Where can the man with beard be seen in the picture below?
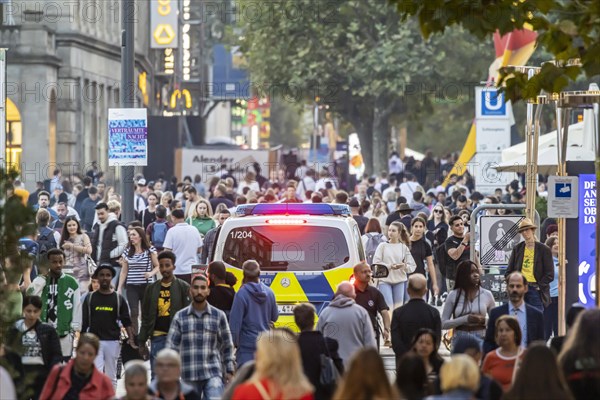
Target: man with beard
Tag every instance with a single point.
(531, 320)
(102, 310)
(200, 333)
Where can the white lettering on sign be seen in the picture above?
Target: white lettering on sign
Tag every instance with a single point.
(589, 203)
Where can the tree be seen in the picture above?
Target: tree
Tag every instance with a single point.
(286, 127)
(356, 56)
(567, 30)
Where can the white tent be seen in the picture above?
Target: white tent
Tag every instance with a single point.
(414, 154)
(547, 160)
(545, 141)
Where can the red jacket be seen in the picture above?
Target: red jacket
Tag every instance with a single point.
(249, 391)
(98, 388)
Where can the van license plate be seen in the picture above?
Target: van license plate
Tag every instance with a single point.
(285, 309)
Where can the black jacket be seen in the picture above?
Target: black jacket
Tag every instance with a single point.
(312, 345)
(543, 266)
(408, 319)
(535, 326)
(87, 213)
(48, 338)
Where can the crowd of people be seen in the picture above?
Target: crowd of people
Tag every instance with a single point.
(96, 292)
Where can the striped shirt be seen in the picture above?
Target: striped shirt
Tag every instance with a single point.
(204, 341)
(138, 264)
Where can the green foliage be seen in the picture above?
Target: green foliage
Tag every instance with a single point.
(567, 30)
(286, 124)
(541, 205)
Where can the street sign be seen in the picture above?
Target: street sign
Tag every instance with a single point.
(562, 196)
(498, 236)
(127, 137)
(164, 24)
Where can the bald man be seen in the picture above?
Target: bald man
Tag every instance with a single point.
(372, 300)
(414, 315)
(347, 322)
(254, 310)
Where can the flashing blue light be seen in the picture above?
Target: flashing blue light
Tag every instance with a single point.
(292, 209)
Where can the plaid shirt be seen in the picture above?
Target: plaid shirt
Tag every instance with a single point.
(203, 340)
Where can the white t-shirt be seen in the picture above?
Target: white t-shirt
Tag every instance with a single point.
(184, 240)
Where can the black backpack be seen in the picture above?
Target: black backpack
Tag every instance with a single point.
(45, 241)
(440, 256)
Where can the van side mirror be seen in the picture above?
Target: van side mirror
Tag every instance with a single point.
(379, 271)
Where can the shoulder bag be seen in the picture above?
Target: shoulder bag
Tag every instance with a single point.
(329, 375)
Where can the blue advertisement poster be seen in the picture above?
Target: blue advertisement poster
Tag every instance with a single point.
(587, 239)
(127, 137)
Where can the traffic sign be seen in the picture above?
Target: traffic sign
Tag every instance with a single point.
(563, 196)
(498, 236)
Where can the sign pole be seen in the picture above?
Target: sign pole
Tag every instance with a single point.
(3, 159)
(127, 99)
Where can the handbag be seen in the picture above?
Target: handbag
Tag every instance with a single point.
(91, 264)
(329, 375)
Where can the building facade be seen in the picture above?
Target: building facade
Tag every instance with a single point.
(63, 74)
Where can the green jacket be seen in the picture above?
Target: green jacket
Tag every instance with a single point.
(202, 224)
(180, 298)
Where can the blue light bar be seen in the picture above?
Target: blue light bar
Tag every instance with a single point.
(292, 209)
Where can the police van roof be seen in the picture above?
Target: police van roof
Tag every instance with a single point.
(292, 209)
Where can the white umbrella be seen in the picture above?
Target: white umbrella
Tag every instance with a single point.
(547, 160)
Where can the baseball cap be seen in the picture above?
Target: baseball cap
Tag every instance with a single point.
(141, 182)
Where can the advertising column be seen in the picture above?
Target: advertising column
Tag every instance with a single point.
(587, 239)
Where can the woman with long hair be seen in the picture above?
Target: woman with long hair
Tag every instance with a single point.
(201, 217)
(77, 245)
(108, 193)
(165, 200)
(39, 344)
(425, 344)
(468, 304)
(396, 255)
(539, 377)
(422, 253)
(79, 378)
(278, 370)
(411, 377)
(580, 356)
(139, 264)
(374, 234)
(500, 364)
(437, 233)
(357, 383)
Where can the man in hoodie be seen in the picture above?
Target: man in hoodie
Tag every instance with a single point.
(346, 322)
(254, 311)
(418, 205)
(109, 240)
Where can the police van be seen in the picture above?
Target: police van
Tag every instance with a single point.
(304, 250)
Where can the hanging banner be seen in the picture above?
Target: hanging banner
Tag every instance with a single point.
(587, 239)
(127, 137)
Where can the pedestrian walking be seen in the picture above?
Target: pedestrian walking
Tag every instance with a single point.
(136, 381)
(357, 384)
(221, 294)
(500, 364)
(209, 238)
(60, 300)
(459, 379)
(531, 320)
(201, 217)
(103, 311)
(468, 304)
(347, 322)
(534, 260)
(148, 215)
(167, 385)
(372, 300)
(551, 310)
(79, 378)
(412, 316)
(77, 246)
(139, 266)
(109, 239)
(420, 248)
(156, 232)
(184, 240)
(396, 255)
(161, 301)
(411, 377)
(425, 345)
(200, 332)
(539, 377)
(253, 311)
(456, 248)
(38, 342)
(88, 208)
(278, 373)
(313, 347)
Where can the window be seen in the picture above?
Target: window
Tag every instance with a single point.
(287, 248)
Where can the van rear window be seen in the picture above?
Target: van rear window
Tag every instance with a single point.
(287, 248)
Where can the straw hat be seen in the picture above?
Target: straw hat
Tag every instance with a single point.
(526, 224)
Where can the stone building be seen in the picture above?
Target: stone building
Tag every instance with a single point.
(63, 74)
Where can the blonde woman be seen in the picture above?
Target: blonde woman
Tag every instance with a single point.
(278, 373)
(201, 218)
(396, 255)
(108, 193)
(165, 200)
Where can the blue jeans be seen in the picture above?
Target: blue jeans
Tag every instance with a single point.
(533, 298)
(393, 294)
(157, 343)
(209, 389)
(477, 335)
(551, 318)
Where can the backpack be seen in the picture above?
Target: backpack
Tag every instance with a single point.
(159, 232)
(372, 242)
(440, 256)
(45, 241)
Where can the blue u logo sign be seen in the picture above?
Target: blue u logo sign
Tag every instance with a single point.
(492, 103)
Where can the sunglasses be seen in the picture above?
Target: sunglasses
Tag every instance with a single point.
(438, 211)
